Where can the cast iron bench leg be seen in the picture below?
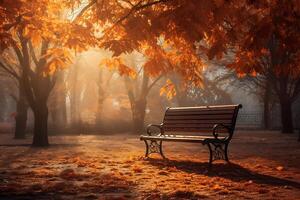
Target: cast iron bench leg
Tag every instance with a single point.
(147, 148)
(153, 146)
(217, 151)
(210, 154)
(226, 152)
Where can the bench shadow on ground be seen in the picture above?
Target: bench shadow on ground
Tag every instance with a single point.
(229, 171)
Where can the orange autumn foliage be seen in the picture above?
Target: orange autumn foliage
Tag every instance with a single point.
(184, 32)
(35, 22)
(175, 36)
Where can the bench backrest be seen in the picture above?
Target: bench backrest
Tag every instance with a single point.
(200, 119)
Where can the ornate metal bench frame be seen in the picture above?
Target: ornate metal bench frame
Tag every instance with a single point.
(217, 146)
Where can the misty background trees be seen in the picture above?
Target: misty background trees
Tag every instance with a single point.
(160, 52)
(90, 98)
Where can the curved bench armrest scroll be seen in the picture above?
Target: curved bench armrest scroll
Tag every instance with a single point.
(152, 127)
(222, 126)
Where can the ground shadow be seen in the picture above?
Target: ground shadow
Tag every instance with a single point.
(8, 160)
(229, 171)
(51, 145)
(105, 186)
(29, 150)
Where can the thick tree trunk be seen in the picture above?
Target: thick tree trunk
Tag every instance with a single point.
(21, 118)
(138, 115)
(40, 135)
(286, 115)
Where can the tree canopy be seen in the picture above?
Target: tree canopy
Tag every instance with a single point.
(175, 36)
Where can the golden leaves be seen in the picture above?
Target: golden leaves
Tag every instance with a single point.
(48, 20)
(57, 58)
(33, 34)
(168, 89)
(246, 63)
(118, 64)
(279, 168)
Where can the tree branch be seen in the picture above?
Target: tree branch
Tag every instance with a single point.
(137, 7)
(83, 10)
(154, 82)
(27, 76)
(18, 53)
(32, 53)
(130, 93)
(9, 70)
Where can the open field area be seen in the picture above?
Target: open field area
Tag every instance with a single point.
(265, 165)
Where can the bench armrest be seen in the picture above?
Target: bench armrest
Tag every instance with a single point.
(151, 129)
(217, 126)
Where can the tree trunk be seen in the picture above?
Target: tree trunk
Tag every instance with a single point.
(2, 104)
(58, 111)
(286, 115)
(99, 109)
(267, 95)
(138, 115)
(182, 99)
(74, 98)
(21, 118)
(40, 135)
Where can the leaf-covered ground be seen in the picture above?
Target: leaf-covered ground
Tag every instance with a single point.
(265, 165)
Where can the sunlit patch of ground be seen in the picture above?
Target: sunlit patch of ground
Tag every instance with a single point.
(265, 165)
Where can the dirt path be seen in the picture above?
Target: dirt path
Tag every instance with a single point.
(265, 165)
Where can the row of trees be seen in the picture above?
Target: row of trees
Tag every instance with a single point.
(87, 91)
(262, 36)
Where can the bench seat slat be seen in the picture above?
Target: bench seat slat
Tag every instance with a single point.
(180, 138)
(195, 130)
(188, 126)
(195, 121)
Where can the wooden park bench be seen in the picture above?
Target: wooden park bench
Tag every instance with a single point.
(209, 125)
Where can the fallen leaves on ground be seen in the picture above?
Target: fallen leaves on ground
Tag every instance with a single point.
(100, 170)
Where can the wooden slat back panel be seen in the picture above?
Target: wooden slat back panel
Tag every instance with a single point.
(199, 119)
(198, 112)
